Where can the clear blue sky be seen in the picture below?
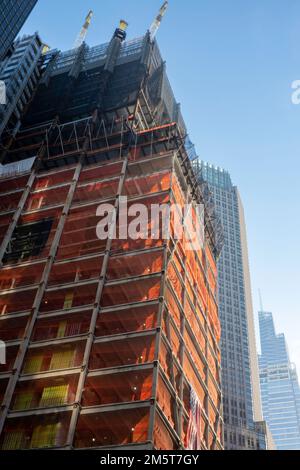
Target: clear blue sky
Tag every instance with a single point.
(231, 64)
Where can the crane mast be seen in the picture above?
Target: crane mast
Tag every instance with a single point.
(157, 22)
(82, 35)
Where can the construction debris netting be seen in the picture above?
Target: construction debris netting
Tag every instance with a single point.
(125, 327)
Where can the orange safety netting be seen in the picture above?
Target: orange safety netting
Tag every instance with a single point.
(127, 320)
(45, 181)
(113, 428)
(120, 387)
(121, 352)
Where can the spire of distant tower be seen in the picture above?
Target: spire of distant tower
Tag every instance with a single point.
(260, 301)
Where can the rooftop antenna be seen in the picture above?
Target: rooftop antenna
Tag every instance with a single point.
(82, 35)
(157, 22)
(260, 301)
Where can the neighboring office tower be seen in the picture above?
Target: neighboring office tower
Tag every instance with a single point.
(107, 341)
(20, 72)
(279, 386)
(13, 14)
(240, 379)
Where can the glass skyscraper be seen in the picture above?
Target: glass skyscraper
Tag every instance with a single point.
(240, 379)
(13, 14)
(279, 386)
(20, 72)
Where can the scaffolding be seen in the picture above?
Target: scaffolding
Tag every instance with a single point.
(106, 338)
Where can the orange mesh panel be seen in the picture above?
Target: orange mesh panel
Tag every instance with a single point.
(118, 388)
(96, 191)
(177, 191)
(64, 299)
(127, 320)
(203, 295)
(137, 350)
(17, 302)
(212, 415)
(211, 261)
(193, 379)
(194, 354)
(4, 221)
(176, 260)
(213, 318)
(13, 183)
(62, 326)
(129, 292)
(210, 440)
(149, 184)
(79, 236)
(190, 291)
(212, 280)
(196, 330)
(112, 428)
(10, 201)
(97, 172)
(162, 437)
(173, 307)
(166, 401)
(214, 394)
(152, 234)
(135, 265)
(184, 427)
(212, 365)
(75, 271)
(13, 329)
(11, 278)
(165, 359)
(121, 246)
(175, 342)
(47, 198)
(190, 317)
(53, 179)
(175, 282)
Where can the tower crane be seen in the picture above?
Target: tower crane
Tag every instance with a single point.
(82, 35)
(157, 22)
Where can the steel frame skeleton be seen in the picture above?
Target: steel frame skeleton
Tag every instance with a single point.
(77, 144)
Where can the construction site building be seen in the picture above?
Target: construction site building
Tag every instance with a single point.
(108, 341)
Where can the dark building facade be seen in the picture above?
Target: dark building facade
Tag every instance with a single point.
(13, 14)
(109, 343)
(20, 72)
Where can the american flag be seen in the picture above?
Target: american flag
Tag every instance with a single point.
(194, 432)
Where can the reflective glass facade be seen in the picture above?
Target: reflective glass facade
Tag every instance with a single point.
(279, 386)
(13, 15)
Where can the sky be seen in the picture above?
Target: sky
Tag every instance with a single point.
(231, 65)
